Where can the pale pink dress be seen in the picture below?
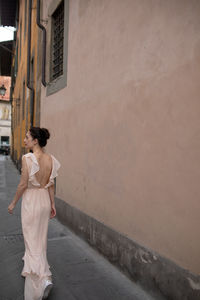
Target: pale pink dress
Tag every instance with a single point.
(35, 213)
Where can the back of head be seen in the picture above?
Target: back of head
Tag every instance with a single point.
(41, 134)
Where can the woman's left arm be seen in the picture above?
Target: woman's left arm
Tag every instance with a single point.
(22, 186)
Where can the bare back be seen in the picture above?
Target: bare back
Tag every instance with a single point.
(44, 173)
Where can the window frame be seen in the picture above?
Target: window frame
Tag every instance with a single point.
(60, 82)
(52, 74)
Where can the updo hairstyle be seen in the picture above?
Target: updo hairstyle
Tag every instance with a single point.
(41, 134)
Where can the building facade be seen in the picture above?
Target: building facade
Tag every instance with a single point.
(119, 91)
(124, 119)
(5, 126)
(5, 115)
(26, 76)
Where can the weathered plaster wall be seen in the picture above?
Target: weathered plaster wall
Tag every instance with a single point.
(5, 119)
(22, 106)
(126, 127)
(6, 81)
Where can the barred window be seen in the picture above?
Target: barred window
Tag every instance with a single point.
(57, 41)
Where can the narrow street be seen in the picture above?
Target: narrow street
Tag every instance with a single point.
(78, 271)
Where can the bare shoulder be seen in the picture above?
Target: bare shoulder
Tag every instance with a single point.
(48, 157)
(27, 155)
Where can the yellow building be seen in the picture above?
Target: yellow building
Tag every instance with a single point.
(26, 76)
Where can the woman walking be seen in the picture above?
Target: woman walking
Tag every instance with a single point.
(37, 190)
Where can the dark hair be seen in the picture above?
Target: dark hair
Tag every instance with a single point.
(41, 134)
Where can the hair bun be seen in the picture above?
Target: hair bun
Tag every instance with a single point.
(45, 133)
(41, 134)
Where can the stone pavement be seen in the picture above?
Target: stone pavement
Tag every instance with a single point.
(79, 272)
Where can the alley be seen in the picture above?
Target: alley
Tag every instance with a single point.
(78, 271)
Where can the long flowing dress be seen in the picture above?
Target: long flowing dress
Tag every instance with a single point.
(35, 214)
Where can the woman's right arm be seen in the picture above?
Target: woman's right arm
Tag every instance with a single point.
(51, 195)
(22, 186)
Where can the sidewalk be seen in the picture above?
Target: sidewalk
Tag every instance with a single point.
(79, 272)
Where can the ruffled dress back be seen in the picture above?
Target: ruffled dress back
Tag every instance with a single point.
(35, 213)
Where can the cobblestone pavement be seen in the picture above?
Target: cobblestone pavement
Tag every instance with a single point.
(79, 272)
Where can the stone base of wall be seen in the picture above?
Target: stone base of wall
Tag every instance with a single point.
(146, 267)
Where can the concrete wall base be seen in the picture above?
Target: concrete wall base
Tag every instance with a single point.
(146, 267)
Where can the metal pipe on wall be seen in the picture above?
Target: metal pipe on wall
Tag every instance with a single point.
(43, 44)
(29, 61)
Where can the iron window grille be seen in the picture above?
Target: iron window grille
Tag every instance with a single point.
(58, 41)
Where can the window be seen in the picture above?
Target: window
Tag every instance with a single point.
(5, 140)
(57, 41)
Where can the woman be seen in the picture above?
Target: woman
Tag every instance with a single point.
(37, 190)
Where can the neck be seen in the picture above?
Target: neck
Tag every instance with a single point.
(37, 149)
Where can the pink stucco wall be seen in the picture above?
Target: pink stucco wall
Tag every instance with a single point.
(126, 128)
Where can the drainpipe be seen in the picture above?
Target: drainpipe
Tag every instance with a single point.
(43, 44)
(29, 61)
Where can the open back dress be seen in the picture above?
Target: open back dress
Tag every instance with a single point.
(35, 214)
